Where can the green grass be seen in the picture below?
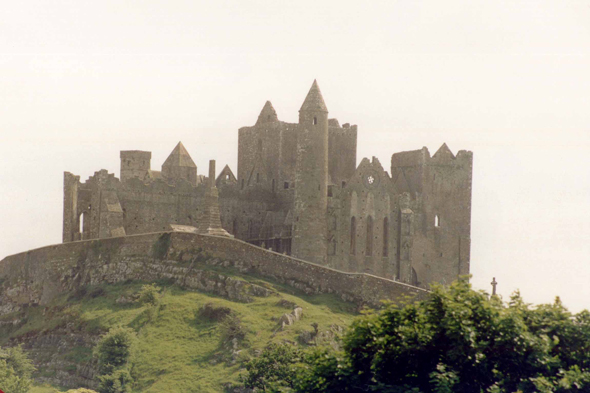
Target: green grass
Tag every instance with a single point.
(177, 350)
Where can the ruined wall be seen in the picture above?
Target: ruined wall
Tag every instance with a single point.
(266, 155)
(36, 277)
(114, 208)
(438, 250)
(298, 191)
(341, 152)
(70, 205)
(366, 223)
(135, 164)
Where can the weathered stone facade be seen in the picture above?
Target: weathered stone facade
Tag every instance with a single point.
(36, 277)
(299, 192)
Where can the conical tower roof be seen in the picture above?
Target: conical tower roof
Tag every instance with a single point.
(179, 157)
(314, 100)
(268, 114)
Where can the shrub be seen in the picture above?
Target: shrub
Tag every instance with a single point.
(149, 294)
(213, 313)
(15, 370)
(96, 292)
(114, 350)
(273, 369)
(119, 381)
(231, 328)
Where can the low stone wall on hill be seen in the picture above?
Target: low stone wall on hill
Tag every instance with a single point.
(192, 261)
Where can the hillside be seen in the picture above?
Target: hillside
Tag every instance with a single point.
(58, 300)
(180, 348)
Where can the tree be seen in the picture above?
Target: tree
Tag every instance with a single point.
(273, 369)
(119, 381)
(15, 370)
(114, 352)
(114, 349)
(457, 340)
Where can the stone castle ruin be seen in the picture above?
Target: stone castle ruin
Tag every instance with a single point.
(298, 192)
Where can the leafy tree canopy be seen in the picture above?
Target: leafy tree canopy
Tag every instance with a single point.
(457, 340)
(114, 350)
(15, 370)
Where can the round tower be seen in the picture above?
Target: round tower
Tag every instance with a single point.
(311, 180)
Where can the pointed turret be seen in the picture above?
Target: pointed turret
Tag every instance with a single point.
(310, 231)
(179, 157)
(268, 114)
(443, 153)
(180, 165)
(314, 100)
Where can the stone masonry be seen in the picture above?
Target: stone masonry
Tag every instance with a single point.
(298, 191)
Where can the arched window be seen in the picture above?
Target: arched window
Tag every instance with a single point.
(369, 246)
(81, 222)
(353, 235)
(385, 237)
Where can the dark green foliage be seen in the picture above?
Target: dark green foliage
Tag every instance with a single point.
(96, 292)
(160, 247)
(231, 328)
(119, 381)
(457, 340)
(149, 294)
(15, 370)
(274, 369)
(114, 349)
(213, 313)
(78, 294)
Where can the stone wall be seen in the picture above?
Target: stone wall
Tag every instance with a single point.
(36, 277)
(441, 223)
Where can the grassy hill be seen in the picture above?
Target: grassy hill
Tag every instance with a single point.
(182, 346)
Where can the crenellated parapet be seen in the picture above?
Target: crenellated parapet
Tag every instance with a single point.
(298, 191)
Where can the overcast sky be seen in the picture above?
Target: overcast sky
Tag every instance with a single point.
(508, 80)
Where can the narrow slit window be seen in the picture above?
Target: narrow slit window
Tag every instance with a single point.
(315, 121)
(436, 221)
(353, 236)
(385, 237)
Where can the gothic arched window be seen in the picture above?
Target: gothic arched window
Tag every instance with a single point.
(353, 235)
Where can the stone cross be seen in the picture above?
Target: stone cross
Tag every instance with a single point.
(494, 283)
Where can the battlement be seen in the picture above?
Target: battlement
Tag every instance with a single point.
(297, 190)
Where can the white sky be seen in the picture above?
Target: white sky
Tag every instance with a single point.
(508, 80)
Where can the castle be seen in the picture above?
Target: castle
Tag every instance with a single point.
(298, 192)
